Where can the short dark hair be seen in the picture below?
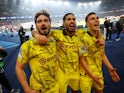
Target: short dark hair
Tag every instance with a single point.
(67, 15)
(86, 18)
(42, 12)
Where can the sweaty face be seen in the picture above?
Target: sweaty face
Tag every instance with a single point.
(93, 22)
(70, 23)
(43, 25)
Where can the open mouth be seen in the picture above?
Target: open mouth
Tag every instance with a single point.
(96, 25)
(43, 28)
(72, 25)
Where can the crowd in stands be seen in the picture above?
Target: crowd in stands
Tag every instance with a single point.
(13, 25)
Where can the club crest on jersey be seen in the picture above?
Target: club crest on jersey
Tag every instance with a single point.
(52, 40)
(83, 49)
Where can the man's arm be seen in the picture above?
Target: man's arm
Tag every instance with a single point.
(84, 64)
(41, 39)
(22, 76)
(112, 70)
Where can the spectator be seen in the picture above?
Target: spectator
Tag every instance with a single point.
(3, 79)
(21, 33)
(32, 28)
(120, 26)
(108, 27)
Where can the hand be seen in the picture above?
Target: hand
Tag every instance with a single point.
(100, 42)
(32, 91)
(110, 28)
(97, 80)
(41, 39)
(114, 75)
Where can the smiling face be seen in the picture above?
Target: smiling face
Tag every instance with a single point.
(69, 23)
(93, 22)
(43, 25)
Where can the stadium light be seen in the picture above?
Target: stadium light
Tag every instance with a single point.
(59, 2)
(66, 3)
(91, 3)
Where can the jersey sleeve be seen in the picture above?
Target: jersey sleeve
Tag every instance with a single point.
(83, 50)
(81, 44)
(57, 34)
(23, 53)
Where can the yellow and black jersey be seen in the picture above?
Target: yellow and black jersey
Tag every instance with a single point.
(68, 50)
(42, 61)
(95, 52)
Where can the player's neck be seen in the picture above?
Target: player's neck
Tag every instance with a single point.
(93, 33)
(70, 33)
(48, 36)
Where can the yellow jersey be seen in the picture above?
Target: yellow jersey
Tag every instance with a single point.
(42, 61)
(94, 56)
(68, 50)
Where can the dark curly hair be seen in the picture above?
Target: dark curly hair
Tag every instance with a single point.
(42, 12)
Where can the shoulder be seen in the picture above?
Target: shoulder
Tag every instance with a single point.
(86, 36)
(28, 42)
(57, 32)
(80, 32)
